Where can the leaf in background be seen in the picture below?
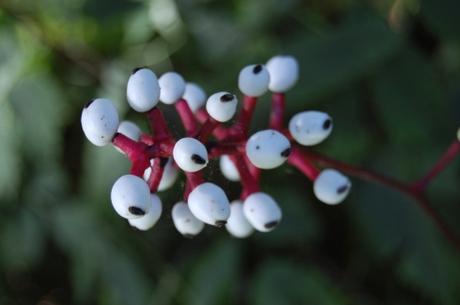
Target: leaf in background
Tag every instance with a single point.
(9, 155)
(442, 17)
(214, 277)
(281, 282)
(40, 109)
(389, 223)
(339, 57)
(22, 241)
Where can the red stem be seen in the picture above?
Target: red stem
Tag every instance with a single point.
(241, 127)
(193, 180)
(187, 117)
(453, 150)
(158, 125)
(249, 183)
(220, 132)
(302, 163)
(207, 129)
(156, 174)
(277, 112)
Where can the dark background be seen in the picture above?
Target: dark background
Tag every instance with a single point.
(388, 72)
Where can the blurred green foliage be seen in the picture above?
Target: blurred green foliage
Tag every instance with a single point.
(387, 71)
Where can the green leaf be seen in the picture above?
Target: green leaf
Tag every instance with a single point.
(280, 282)
(213, 278)
(442, 17)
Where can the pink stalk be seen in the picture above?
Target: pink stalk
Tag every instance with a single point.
(277, 112)
(193, 180)
(156, 174)
(206, 129)
(187, 117)
(249, 183)
(158, 125)
(302, 163)
(241, 127)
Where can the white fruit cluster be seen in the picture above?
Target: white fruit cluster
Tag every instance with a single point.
(207, 203)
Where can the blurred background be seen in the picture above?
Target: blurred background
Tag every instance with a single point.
(387, 71)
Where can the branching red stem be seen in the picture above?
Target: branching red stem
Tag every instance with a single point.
(187, 117)
(278, 109)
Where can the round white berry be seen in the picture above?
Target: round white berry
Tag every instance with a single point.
(310, 127)
(262, 212)
(331, 187)
(253, 80)
(237, 224)
(190, 154)
(170, 174)
(143, 90)
(130, 197)
(209, 204)
(268, 149)
(195, 96)
(184, 221)
(130, 130)
(221, 106)
(172, 87)
(147, 221)
(284, 72)
(99, 121)
(228, 169)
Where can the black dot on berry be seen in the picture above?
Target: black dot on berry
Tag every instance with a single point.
(89, 103)
(257, 69)
(271, 224)
(342, 189)
(190, 236)
(257, 147)
(220, 223)
(136, 69)
(136, 211)
(198, 159)
(285, 153)
(327, 124)
(228, 97)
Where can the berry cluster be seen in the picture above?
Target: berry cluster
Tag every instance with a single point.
(156, 158)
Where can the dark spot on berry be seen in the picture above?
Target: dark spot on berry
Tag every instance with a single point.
(163, 162)
(327, 124)
(190, 236)
(285, 153)
(271, 224)
(257, 69)
(220, 223)
(198, 159)
(136, 211)
(89, 103)
(342, 189)
(136, 69)
(257, 147)
(227, 98)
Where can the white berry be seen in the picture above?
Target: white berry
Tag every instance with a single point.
(228, 169)
(143, 90)
(172, 87)
(209, 204)
(237, 224)
(331, 187)
(130, 130)
(130, 197)
(190, 154)
(253, 80)
(168, 178)
(147, 221)
(221, 106)
(195, 96)
(99, 120)
(268, 149)
(310, 127)
(284, 72)
(184, 221)
(262, 212)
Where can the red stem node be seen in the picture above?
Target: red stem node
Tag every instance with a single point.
(241, 127)
(158, 125)
(249, 183)
(156, 173)
(220, 132)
